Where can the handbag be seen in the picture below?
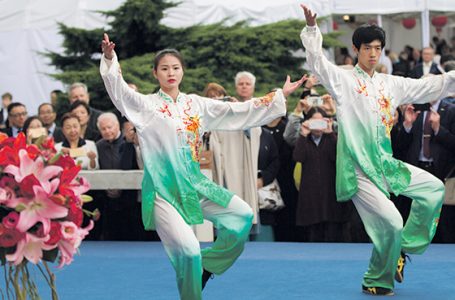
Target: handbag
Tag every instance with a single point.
(206, 159)
(269, 197)
(449, 183)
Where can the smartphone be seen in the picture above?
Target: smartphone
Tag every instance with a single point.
(317, 124)
(315, 100)
(422, 107)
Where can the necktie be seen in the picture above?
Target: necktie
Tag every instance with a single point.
(427, 135)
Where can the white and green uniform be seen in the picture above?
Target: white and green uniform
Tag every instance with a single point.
(366, 170)
(175, 194)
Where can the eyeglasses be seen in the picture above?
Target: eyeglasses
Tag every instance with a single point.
(21, 114)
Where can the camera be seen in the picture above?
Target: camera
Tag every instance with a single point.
(315, 100)
(226, 98)
(319, 124)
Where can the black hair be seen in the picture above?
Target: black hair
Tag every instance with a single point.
(160, 54)
(28, 121)
(315, 110)
(78, 103)
(13, 105)
(446, 58)
(305, 93)
(367, 33)
(68, 116)
(44, 104)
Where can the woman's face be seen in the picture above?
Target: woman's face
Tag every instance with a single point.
(82, 114)
(35, 124)
(169, 72)
(71, 129)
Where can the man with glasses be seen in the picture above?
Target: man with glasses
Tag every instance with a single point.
(17, 114)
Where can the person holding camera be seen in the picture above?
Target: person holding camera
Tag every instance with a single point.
(319, 217)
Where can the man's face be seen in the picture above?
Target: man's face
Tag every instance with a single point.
(47, 115)
(244, 88)
(427, 55)
(17, 116)
(109, 129)
(368, 55)
(6, 101)
(79, 93)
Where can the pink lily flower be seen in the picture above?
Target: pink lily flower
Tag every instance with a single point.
(38, 209)
(31, 248)
(72, 237)
(36, 167)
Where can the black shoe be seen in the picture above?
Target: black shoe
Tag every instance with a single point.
(399, 274)
(377, 291)
(206, 275)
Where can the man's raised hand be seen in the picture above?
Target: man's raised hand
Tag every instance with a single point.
(107, 47)
(309, 16)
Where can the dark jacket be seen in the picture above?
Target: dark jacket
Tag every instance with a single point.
(109, 153)
(417, 72)
(317, 197)
(442, 146)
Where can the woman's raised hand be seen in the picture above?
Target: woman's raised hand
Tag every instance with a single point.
(107, 47)
(289, 87)
(309, 16)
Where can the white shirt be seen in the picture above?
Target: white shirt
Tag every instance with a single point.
(84, 160)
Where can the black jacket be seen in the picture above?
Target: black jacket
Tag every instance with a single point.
(442, 146)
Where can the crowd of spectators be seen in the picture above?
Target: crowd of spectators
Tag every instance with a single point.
(298, 151)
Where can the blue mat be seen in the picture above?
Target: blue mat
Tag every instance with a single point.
(141, 270)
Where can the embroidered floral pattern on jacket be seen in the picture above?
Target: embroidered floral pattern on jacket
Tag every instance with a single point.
(361, 87)
(386, 111)
(165, 110)
(264, 100)
(193, 127)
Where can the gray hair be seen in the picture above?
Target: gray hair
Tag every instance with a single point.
(246, 74)
(77, 85)
(107, 116)
(449, 65)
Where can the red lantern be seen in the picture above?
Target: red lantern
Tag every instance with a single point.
(439, 22)
(334, 25)
(409, 23)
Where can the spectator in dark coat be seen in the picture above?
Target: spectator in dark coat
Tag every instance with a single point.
(320, 217)
(116, 221)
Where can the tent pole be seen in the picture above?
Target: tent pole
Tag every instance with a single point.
(425, 25)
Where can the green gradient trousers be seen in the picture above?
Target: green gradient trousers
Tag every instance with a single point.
(233, 225)
(384, 223)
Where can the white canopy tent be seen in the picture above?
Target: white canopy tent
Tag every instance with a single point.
(28, 27)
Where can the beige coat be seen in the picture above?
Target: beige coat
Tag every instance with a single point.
(236, 163)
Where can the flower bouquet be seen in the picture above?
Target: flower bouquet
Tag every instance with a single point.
(41, 213)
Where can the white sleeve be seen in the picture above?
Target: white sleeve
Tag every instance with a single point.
(129, 102)
(219, 115)
(423, 90)
(328, 73)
